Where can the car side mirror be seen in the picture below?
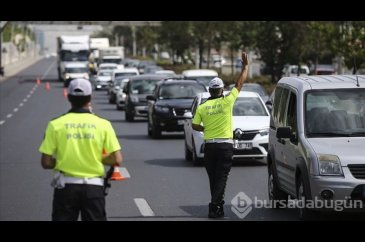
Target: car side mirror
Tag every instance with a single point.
(188, 115)
(283, 133)
(151, 97)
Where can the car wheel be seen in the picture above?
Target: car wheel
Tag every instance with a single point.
(188, 153)
(149, 129)
(156, 132)
(128, 116)
(277, 197)
(304, 212)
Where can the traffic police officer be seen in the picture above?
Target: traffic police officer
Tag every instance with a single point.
(216, 116)
(73, 146)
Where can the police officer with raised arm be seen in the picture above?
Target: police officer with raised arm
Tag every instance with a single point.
(214, 118)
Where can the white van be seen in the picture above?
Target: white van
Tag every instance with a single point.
(75, 70)
(201, 75)
(316, 142)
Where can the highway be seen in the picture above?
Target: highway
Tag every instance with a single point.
(162, 185)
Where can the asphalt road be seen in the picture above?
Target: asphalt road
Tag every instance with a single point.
(162, 185)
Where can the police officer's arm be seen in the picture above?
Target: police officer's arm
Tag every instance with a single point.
(48, 162)
(198, 127)
(244, 71)
(114, 158)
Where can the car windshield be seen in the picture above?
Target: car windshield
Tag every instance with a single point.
(105, 73)
(74, 56)
(249, 106)
(335, 113)
(144, 86)
(202, 79)
(253, 88)
(180, 91)
(125, 74)
(115, 61)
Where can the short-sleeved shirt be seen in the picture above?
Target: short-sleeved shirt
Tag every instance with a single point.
(77, 140)
(216, 116)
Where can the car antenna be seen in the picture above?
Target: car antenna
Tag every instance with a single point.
(357, 78)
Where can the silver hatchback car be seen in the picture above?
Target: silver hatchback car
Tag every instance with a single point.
(317, 143)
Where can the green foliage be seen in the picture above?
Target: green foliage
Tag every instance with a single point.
(275, 42)
(178, 69)
(351, 43)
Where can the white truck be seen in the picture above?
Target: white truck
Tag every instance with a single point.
(95, 45)
(72, 49)
(113, 54)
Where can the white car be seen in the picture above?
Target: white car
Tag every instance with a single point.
(120, 95)
(103, 79)
(251, 121)
(201, 75)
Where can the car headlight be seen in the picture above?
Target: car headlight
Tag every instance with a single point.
(162, 109)
(86, 77)
(264, 132)
(121, 95)
(67, 76)
(134, 99)
(329, 165)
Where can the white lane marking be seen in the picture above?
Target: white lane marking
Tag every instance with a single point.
(30, 94)
(143, 207)
(124, 172)
(49, 68)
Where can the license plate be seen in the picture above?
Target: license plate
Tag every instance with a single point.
(180, 122)
(243, 146)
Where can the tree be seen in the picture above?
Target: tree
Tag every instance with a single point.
(320, 42)
(203, 32)
(176, 35)
(351, 43)
(147, 37)
(269, 43)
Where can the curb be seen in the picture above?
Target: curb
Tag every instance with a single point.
(14, 68)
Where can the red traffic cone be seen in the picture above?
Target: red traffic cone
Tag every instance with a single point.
(65, 92)
(116, 176)
(47, 86)
(38, 81)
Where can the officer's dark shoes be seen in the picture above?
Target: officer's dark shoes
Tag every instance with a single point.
(215, 210)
